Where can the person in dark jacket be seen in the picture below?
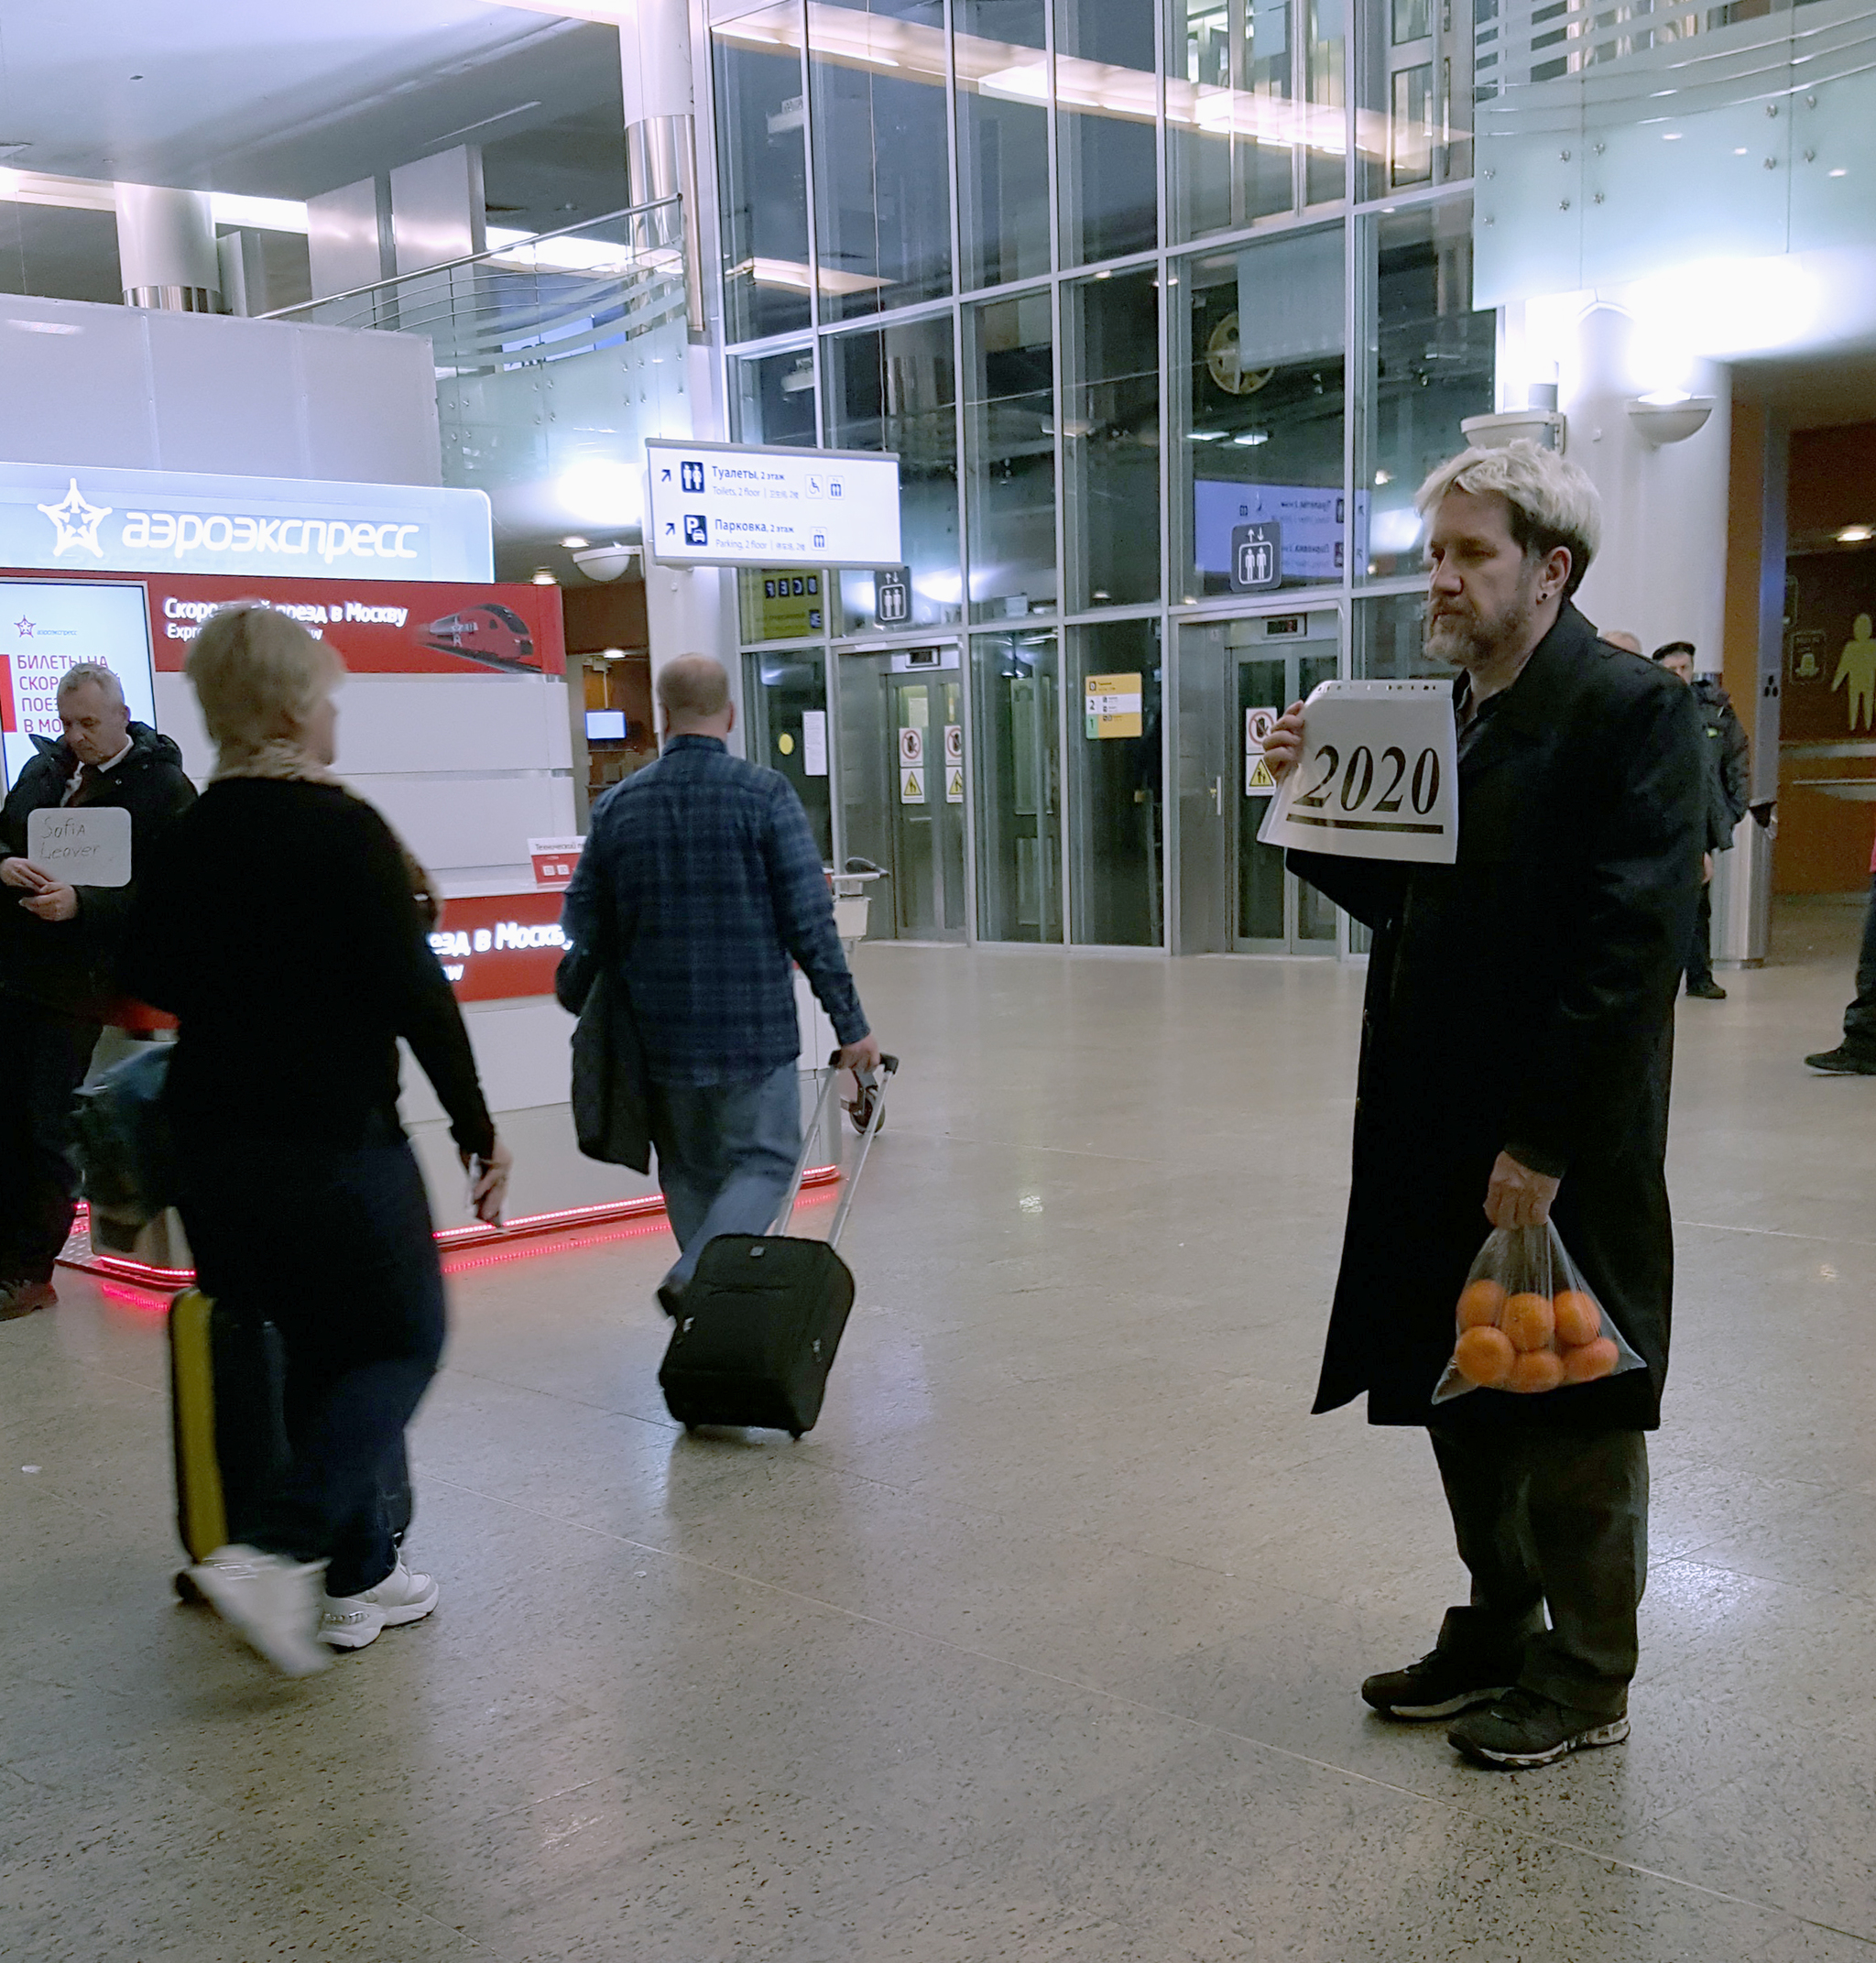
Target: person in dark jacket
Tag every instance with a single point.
(1515, 1054)
(1728, 787)
(279, 924)
(58, 950)
(700, 885)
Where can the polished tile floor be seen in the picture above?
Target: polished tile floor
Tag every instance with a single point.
(1044, 1645)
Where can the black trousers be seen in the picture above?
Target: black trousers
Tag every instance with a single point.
(1859, 1017)
(334, 1247)
(1700, 949)
(1551, 1517)
(43, 1058)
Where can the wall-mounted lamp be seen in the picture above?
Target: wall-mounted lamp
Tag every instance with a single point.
(1545, 427)
(606, 563)
(1669, 416)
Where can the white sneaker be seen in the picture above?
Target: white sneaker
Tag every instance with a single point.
(273, 1603)
(351, 1621)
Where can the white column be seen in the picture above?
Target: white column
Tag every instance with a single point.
(1661, 568)
(166, 249)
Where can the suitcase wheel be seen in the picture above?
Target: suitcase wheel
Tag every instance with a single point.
(186, 1590)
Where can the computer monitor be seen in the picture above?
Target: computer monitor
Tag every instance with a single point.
(605, 725)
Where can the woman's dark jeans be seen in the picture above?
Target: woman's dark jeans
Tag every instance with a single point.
(334, 1248)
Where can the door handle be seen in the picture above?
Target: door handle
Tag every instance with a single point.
(1219, 797)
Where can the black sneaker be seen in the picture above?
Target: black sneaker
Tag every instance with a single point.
(1844, 1061)
(1441, 1684)
(1706, 991)
(1523, 1730)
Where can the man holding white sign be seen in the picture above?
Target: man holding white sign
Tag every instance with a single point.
(81, 814)
(1515, 1056)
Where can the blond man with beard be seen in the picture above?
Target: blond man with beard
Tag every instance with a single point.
(1514, 1068)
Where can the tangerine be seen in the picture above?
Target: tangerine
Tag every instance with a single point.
(1484, 1357)
(1528, 1320)
(1587, 1361)
(1579, 1321)
(1479, 1302)
(1537, 1370)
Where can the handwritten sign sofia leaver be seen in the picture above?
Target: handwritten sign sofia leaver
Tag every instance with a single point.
(85, 847)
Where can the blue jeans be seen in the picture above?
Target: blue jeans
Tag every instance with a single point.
(334, 1248)
(725, 1154)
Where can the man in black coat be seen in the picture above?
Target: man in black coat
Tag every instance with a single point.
(1516, 1045)
(1728, 786)
(58, 950)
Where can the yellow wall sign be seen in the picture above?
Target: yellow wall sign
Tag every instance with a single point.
(1113, 706)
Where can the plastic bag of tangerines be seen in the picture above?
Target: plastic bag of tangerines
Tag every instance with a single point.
(1527, 1323)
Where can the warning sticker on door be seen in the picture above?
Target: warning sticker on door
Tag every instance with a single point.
(954, 787)
(1259, 781)
(911, 787)
(911, 746)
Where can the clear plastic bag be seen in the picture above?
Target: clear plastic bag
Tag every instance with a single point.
(1527, 1321)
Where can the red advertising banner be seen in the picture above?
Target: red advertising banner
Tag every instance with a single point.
(496, 946)
(379, 626)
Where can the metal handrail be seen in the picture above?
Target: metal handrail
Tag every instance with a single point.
(476, 258)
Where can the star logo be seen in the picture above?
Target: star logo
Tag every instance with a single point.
(24, 629)
(78, 523)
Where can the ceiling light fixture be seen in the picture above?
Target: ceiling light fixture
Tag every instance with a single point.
(542, 577)
(573, 544)
(1856, 534)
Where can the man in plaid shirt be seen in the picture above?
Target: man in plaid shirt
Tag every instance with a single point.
(701, 879)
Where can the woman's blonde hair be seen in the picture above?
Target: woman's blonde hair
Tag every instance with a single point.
(258, 676)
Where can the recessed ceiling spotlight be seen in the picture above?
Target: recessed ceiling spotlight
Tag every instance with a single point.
(1856, 534)
(573, 544)
(544, 578)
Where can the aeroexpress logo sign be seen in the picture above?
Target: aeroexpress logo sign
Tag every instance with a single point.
(149, 521)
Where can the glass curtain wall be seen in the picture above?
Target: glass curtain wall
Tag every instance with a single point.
(882, 154)
(1180, 345)
(1110, 432)
(762, 173)
(1009, 455)
(895, 389)
(1429, 363)
(1257, 453)
(1003, 139)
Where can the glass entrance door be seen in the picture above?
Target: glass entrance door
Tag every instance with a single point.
(1275, 912)
(902, 786)
(1234, 894)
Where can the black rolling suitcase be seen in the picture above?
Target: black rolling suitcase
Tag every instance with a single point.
(763, 1315)
(227, 1372)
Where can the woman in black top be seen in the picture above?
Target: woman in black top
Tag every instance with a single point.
(281, 923)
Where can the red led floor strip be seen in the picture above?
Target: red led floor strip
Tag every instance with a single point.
(451, 1240)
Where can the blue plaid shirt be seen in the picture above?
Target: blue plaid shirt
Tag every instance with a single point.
(702, 877)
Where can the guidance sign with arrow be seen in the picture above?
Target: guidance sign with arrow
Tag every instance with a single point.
(744, 505)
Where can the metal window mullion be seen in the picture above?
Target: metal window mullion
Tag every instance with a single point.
(813, 185)
(1163, 289)
(1058, 411)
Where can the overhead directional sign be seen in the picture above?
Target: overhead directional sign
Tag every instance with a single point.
(736, 505)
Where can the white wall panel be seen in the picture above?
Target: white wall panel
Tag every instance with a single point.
(401, 722)
(88, 384)
(475, 821)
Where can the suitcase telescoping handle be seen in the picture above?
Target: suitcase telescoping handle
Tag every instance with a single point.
(887, 1065)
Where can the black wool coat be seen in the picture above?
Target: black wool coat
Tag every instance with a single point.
(1523, 1000)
